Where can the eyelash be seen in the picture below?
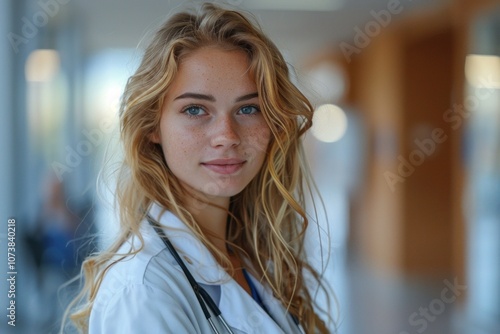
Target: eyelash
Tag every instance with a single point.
(253, 106)
(185, 110)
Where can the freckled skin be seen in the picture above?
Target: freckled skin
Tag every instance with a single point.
(221, 129)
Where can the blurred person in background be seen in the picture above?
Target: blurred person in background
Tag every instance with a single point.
(55, 246)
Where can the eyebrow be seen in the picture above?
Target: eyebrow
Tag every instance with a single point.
(211, 98)
(247, 97)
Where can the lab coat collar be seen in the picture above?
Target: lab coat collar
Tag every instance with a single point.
(249, 317)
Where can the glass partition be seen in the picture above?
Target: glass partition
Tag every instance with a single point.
(482, 154)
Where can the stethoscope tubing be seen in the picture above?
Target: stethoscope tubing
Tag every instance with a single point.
(203, 297)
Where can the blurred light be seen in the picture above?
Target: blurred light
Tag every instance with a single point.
(310, 5)
(329, 123)
(328, 80)
(106, 74)
(42, 65)
(483, 71)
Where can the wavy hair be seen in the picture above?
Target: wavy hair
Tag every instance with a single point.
(267, 221)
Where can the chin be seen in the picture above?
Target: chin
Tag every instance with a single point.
(225, 193)
(222, 190)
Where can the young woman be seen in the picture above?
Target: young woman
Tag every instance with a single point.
(210, 191)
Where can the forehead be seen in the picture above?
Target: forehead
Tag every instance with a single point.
(214, 66)
(215, 55)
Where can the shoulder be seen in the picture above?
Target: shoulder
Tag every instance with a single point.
(140, 308)
(136, 269)
(143, 289)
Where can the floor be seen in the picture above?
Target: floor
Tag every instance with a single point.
(377, 303)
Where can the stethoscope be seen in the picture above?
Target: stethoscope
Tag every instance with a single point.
(203, 297)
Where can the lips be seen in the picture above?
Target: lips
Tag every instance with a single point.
(224, 166)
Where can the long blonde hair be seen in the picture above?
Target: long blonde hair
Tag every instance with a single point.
(267, 219)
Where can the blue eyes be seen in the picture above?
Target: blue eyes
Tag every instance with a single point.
(194, 111)
(198, 111)
(249, 110)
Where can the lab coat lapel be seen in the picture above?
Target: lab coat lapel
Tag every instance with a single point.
(276, 310)
(244, 314)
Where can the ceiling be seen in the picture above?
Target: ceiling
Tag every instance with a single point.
(298, 27)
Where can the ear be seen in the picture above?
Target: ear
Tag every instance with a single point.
(155, 137)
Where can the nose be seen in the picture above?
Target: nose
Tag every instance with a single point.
(225, 132)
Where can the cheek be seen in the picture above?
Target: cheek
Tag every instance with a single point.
(258, 140)
(178, 144)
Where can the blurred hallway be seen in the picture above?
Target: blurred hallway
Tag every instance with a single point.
(405, 149)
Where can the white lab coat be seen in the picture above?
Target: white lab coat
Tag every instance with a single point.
(149, 293)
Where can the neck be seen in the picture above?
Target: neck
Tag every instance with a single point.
(212, 218)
